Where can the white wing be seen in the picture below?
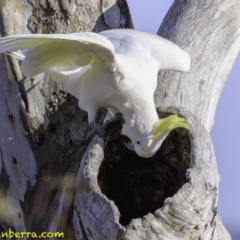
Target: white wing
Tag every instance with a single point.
(148, 47)
(68, 52)
(79, 61)
(59, 52)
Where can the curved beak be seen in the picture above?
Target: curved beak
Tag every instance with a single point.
(129, 145)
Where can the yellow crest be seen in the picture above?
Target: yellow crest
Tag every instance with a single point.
(165, 125)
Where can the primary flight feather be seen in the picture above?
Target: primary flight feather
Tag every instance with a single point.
(116, 69)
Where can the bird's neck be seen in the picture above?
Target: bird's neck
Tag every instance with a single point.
(145, 116)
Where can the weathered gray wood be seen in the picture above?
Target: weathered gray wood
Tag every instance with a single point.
(42, 129)
(210, 32)
(190, 214)
(49, 159)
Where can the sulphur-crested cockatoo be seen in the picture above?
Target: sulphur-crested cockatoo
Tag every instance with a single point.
(116, 69)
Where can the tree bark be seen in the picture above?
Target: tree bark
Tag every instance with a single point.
(209, 31)
(62, 177)
(43, 132)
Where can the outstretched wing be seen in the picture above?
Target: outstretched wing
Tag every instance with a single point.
(149, 47)
(59, 52)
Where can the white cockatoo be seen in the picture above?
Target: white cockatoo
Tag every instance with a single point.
(116, 69)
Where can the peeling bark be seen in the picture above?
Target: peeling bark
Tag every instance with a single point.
(61, 176)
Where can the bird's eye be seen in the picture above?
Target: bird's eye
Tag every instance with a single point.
(138, 142)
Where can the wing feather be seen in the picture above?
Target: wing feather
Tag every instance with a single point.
(70, 51)
(149, 46)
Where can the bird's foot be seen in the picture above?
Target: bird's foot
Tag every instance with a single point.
(97, 128)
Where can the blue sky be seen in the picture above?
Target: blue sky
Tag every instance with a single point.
(147, 16)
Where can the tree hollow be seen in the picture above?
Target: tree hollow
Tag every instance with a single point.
(139, 186)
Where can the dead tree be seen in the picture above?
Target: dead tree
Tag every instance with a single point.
(56, 175)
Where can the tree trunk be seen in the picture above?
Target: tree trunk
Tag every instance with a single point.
(61, 177)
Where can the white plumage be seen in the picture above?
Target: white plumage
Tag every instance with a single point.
(116, 69)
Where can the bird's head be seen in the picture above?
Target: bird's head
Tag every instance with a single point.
(148, 143)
